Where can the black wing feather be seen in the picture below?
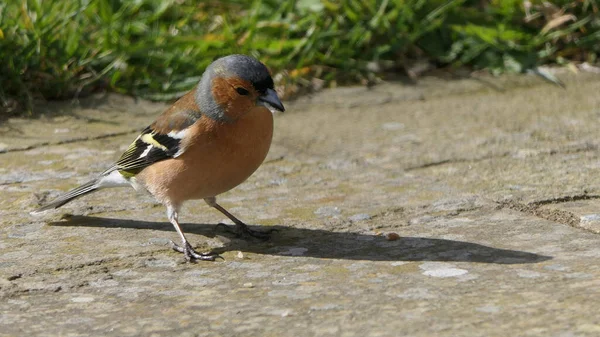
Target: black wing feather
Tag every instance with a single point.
(148, 148)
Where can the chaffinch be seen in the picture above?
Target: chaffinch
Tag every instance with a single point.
(206, 143)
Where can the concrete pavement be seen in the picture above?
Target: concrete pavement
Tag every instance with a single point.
(491, 185)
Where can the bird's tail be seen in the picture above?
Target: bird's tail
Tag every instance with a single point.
(84, 189)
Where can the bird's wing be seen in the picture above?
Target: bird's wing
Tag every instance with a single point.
(159, 141)
(148, 148)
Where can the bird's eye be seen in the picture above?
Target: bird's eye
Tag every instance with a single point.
(242, 91)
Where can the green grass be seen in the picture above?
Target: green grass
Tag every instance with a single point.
(157, 49)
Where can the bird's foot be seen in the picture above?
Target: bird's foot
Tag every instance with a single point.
(191, 254)
(241, 230)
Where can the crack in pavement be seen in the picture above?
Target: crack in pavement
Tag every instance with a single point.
(13, 287)
(569, 198)
(70, 140)
(585, 147)
(555, 215)
(455, 161)
(558, 216)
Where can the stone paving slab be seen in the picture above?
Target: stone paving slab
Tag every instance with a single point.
(68, 121)
(447, 208)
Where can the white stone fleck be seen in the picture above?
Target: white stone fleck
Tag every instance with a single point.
(421, 220)
(392, 126)
(556, 267)
(398, 263)
(447, 272)
(328, 211)
(282, 312)
(590, 218)
(492, 309)
(528, 273)
(590, 222)
(440, 269)
(82, 299)
(294, 251)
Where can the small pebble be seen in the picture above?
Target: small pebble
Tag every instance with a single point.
(240, 255)
(248, 285)
(392, 236)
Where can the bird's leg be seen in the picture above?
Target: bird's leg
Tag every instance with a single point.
(241, 229)
(186, 248)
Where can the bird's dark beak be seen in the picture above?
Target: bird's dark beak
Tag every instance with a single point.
(271, 98)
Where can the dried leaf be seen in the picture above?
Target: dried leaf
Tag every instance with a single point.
(556, 22)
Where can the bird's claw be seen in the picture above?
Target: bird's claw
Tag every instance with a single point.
(191, 255)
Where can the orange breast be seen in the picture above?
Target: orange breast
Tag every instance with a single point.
(220, 157)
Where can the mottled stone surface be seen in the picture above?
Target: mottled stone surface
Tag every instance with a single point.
(449, 208)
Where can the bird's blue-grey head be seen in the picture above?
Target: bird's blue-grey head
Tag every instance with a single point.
(242, 67)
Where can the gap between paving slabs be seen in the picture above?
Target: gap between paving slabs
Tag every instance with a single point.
(571, 210)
